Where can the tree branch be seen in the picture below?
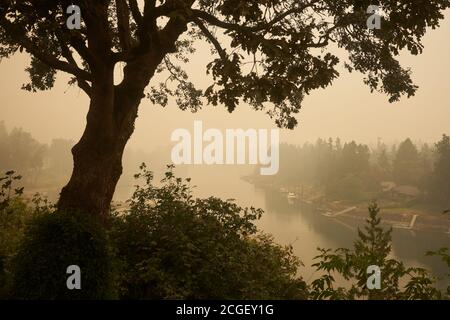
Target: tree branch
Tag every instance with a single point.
(79, 45)
(69, 57)
(39, 53)
(134, 8)
(54, 62)
(99, 35)
(211, 38)
(260, 27)
(324, 39)
(173, 29)
(123, 24)
(83, 85)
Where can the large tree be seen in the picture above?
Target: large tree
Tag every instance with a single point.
(269, 54)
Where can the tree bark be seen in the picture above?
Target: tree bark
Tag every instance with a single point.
(110, 123)
(97, 156)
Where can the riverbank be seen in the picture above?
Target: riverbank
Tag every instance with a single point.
(393, 214)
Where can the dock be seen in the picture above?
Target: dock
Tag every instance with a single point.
(332, 215)
(409, 226)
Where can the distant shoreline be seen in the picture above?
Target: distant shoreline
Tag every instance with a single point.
(412, 219)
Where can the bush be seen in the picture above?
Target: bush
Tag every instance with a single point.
(51, 243)
(13, 219)
(14, 215)
(173, 246)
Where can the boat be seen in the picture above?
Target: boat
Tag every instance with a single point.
(292, 195)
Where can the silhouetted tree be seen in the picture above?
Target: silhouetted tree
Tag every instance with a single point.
(280, 38)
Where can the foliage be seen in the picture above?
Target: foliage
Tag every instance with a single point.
(13, 215)
(51, 243)
(7, 193)
(174, 246)
(445, 256)
(371, 249)
(265, 38)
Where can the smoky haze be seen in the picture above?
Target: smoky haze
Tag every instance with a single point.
(347, 109)
(320, 195)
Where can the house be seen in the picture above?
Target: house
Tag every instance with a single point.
(403, 192)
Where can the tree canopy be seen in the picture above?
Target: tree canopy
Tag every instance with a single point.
(278, 52)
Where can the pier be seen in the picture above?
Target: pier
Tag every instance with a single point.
(331, 214)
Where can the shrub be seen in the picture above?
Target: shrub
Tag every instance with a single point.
(14, 214)
(50, 244)
(174, 246)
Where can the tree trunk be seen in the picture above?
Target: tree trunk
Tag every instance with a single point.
(98, 155)
(110, 123)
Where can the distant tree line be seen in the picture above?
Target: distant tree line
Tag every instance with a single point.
(355, 171)
(38, 163)
(50, 165)
(348, 170)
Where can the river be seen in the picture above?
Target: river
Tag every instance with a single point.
(304, 228)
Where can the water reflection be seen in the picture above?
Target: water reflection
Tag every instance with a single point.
(287, 221)
(303, 227)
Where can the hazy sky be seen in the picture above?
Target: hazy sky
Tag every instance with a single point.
(347, 109)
